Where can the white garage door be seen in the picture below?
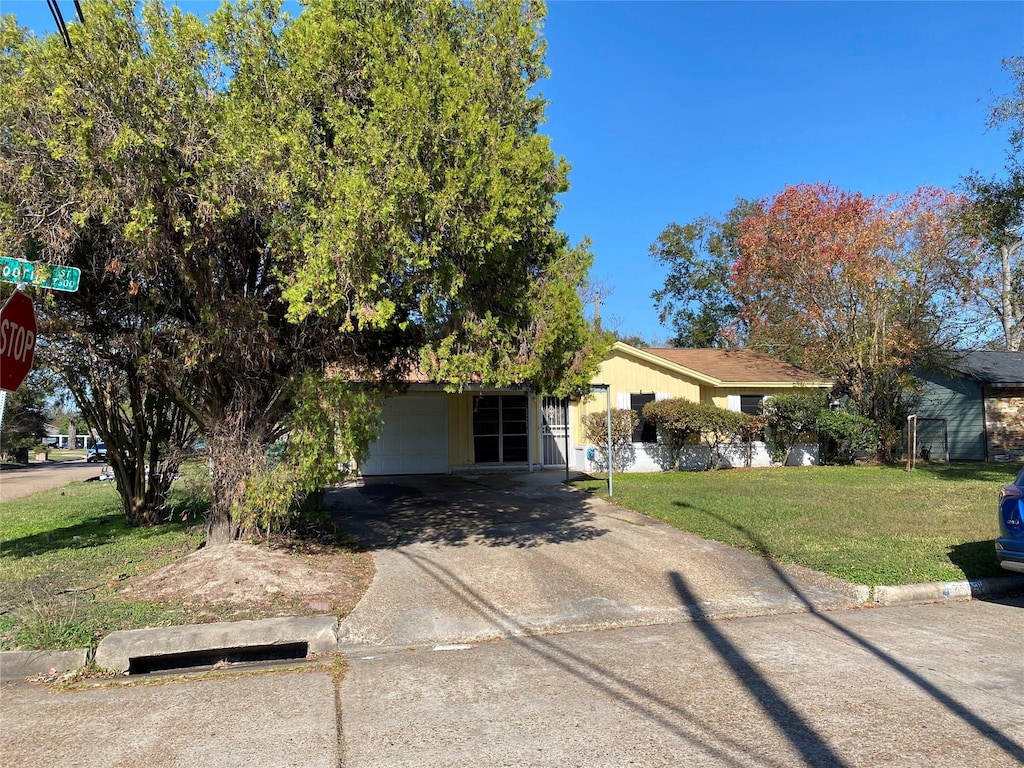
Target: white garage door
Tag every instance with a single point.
(414, 439)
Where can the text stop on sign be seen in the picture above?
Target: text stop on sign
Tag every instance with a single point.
(17, 340)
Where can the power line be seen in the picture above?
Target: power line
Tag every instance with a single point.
(58, 18)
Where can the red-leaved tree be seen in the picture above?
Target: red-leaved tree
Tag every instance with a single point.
(859, 288)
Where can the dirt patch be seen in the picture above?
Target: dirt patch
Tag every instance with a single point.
(256, 580)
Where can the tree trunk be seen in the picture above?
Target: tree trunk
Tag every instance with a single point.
(1011, 311)
(227, 488)
(234, 455)
(143, 499)
(221, 529)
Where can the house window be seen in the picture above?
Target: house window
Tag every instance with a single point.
(751, 404)
(645, 431)
(500, 429)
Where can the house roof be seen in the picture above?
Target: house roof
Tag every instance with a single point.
(992, 367)
(731, 367)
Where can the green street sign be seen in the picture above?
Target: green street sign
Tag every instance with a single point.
(50, 276)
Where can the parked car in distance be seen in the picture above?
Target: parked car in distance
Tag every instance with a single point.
(97, 453)
(1010, 544)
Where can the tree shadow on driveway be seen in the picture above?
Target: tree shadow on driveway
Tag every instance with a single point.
(461, 510)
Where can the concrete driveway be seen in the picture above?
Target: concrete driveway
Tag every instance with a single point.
(472, 557)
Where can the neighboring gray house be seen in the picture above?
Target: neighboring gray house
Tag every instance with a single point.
(974, 412)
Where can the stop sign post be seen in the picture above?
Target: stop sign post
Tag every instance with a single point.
(17, 340)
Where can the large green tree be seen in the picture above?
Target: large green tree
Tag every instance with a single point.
(993, 215)
(360, 190)
(25, 413)
(993, 275)
(695, 300)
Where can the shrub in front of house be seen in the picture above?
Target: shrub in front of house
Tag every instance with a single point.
(844, 435)
(624, 422)
(683, 422)
(789, 416)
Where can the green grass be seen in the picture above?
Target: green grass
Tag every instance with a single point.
(59, 454)
(62, 551)
(865, 524)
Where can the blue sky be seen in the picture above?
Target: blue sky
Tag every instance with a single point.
(668, 111)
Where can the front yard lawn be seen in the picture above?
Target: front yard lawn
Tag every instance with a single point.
(62, 553)
(67, 561)
(865, 524)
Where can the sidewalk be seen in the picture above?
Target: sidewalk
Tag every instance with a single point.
(937, 685)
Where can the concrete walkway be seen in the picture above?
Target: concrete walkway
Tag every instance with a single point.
(470, 558)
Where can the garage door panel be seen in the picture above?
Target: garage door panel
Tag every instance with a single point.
(413, 440)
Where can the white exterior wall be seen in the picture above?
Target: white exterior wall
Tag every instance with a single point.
(651, 457)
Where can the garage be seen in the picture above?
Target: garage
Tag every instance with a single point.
(414, 438)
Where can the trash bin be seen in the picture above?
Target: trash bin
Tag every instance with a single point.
(21, 455)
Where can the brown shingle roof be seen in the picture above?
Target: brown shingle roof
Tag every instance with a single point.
(738, 365)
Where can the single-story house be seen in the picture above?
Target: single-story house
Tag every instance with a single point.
(974, 411)
(429, 431)
(734, 379)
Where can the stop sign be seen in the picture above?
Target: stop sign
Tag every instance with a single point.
(17, 340)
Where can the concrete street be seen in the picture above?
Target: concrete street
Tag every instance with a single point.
(15, 483)
(935, 685)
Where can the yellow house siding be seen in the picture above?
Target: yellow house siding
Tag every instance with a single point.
(632, 376)
(625, 375)
(460, 429)
(720, 395)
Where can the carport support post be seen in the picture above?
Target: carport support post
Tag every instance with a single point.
(608, 412)
(567, 401)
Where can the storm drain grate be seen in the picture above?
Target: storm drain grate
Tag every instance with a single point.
(210, 658)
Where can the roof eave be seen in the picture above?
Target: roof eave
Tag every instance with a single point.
(780, 384)
(705, 378)
(666, 364)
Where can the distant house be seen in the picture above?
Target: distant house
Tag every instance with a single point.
(734, 379)
(427, 430)
(974, 411)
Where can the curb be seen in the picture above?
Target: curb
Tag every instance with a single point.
(943, 591)
(118, 650)
(17, 665)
